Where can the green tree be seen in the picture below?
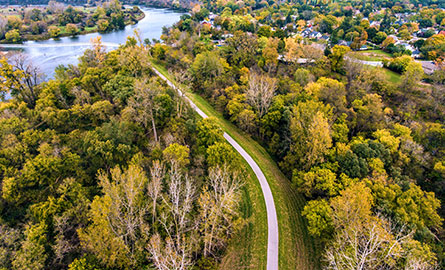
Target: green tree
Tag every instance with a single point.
(31, 255)
(311, 134)
(379, 38)
(222, 154)
(117, 221)
(13, 36)
(412, 76)
(337, 58)
(241, 49)
(303, 76)
(208, 132)
(206, 69)
(317, 182)
(419, 208)
(71, 29)
(319, 216)
(176, 153)
(54, 31)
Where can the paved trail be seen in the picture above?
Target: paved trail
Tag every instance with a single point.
(272, 222)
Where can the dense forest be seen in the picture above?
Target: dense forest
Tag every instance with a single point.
(366, 152)
(105, 167)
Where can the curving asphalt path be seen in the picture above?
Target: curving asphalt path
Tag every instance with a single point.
(272, 222)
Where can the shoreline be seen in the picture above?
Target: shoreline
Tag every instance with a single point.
(43, 37)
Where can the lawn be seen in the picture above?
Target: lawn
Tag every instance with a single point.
(371, 55)
(297, 250)
(392, 76)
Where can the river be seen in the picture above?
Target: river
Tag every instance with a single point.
(48, 54)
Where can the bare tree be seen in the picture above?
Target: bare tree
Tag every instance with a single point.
(175, 251)
(372, 245)
(353, 69)
(55, 7)
(3, 25)
(155, 185)
(168, 256)
(218, 208)
(260, 92)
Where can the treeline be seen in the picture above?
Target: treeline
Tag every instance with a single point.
(367, 153)
(40, 2)
(106, 167)
(57, 20)
(182, 4)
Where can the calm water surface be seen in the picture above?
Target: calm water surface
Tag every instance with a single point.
(49, 54)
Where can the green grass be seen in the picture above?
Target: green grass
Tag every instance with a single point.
(371, 55)
(248, 247)
(297, 250)
(380, 52)
(393, 77)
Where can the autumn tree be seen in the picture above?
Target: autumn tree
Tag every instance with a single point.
(337, 58)
(54, 31)
(20, 78)
(329, 91)
(260, 92)
(218, 205)
(366, 241)
(71, 29)
(149, 106)
(311, 134)
(270, 54)
(31, 254)
(412, 76)
(117, 218)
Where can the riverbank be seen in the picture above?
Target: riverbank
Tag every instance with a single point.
(39, 23)
(48, 54)
(88, 30)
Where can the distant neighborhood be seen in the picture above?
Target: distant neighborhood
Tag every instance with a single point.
(420, 35)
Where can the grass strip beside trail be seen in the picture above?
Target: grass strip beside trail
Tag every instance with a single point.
(297, 249)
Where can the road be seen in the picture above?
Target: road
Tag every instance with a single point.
(272, 222)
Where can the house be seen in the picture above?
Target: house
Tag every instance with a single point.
(212, 16)
(406, 46)
(374, 24)
(226, 36)
(315, 35)
(429, 67)
(325, 37)
(306, 32)
(206, 22)
(415, 54)
(344, 43)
